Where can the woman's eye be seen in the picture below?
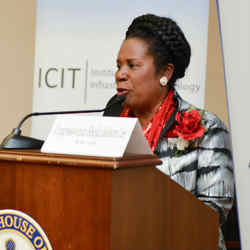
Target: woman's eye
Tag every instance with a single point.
(131, 65)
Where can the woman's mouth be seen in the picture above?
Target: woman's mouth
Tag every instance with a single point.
(122, 91)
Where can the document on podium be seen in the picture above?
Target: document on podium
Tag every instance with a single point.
(96, 136)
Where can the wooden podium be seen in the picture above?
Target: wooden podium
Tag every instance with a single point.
(91, 203)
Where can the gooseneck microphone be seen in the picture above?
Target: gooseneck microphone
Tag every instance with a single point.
(16, 141)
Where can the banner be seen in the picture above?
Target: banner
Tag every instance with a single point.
(77, 43)
(235, 36)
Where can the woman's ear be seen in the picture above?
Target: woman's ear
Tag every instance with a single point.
(166, 74)
(168, 71)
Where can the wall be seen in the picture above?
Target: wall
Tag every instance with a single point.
(17, 25)
(215, 98)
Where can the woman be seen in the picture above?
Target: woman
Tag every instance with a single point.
(193, 144)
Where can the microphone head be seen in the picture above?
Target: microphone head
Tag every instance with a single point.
(120, 98)
(114, 104)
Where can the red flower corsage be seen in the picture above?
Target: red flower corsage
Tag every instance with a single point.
(188, 125)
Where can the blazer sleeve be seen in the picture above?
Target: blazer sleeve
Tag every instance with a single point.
(215, 182)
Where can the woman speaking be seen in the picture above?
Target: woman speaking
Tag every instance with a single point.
(193, 144)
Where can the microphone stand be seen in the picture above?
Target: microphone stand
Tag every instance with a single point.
(16, 141)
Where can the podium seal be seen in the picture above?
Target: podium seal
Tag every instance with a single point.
(20, 231)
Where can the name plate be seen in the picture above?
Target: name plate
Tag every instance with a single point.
(96, 136)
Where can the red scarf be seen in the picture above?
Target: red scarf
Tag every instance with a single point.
(153, 129)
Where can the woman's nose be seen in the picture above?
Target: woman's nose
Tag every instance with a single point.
(121, 74)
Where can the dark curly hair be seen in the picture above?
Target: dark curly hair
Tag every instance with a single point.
(167, 43)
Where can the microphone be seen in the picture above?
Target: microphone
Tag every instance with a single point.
(16, 141)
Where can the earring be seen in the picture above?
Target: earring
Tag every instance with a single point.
(164, 81)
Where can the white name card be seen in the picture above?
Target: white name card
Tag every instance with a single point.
(96, 136)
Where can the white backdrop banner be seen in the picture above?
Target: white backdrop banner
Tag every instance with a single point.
(236, 49)
(77, 43)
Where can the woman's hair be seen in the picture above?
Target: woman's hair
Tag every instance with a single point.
(166, 43)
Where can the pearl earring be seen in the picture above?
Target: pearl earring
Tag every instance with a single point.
(164, 81)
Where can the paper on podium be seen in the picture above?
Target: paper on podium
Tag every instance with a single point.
(96, 136)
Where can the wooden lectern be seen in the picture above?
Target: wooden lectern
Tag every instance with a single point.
(93, 203)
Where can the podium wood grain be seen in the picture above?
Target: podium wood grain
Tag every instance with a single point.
(94, 203)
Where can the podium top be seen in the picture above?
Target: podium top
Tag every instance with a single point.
(35, 156)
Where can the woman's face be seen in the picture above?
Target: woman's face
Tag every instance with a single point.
(136, 77)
